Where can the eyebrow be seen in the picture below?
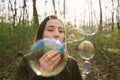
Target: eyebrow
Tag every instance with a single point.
(53, 26)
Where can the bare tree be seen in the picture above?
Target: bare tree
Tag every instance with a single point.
(35, 14)
(112, 15)
(75, 21)
(64, 7)
(24, 9)
(59, 8)
(100, 13)
(54, 7)
(45, 8)
(118, 15)
(14, 10)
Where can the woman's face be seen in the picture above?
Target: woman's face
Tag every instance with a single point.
(54, 29)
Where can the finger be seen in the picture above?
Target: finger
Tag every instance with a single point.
(49, 55)
(45, 55)
(51, 64)
(43, 66)
(52, 54)
(54, 61)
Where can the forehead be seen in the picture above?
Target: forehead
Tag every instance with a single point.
(54, 22)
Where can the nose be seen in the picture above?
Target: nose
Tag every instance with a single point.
(56, 34)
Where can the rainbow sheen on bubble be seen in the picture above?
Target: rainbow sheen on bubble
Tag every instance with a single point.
(75, 34)
(37, 51)
(86, 50)
(87, 67)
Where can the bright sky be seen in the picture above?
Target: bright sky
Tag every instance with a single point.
(74, 8)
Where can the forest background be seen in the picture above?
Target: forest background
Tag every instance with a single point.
(19, 21)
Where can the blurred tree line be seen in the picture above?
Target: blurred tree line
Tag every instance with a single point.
(17, 33)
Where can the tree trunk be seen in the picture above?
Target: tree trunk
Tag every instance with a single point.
(14, 12)
(59, 8)
(45, 7)
(55, 11)
(35, 14)
(118, 15)
(24, 6)
(100, 14)
(64, 12)
(112, 16)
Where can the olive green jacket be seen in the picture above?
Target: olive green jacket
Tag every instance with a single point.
(70, 72)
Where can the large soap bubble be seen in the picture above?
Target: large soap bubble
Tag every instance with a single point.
(86, 50)
(37, 51)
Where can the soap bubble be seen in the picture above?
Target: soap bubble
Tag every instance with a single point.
(87, 67)
(75, 34)
(90, 29)
(86, 50)
(106, 31)
(37, 51)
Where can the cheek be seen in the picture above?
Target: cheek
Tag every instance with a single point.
(47, 35)
(62, 38)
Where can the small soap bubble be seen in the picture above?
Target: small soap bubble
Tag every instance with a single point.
(87, 67)
(37, 51)
(106, 31)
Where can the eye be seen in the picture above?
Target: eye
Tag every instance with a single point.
(61, 31)
(50, 30)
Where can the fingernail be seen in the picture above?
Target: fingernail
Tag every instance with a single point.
(59, 57)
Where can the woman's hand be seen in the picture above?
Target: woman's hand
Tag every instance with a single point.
(49, 60)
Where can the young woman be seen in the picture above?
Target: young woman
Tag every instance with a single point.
(51, 27)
